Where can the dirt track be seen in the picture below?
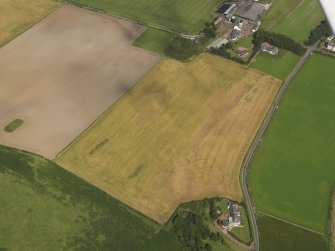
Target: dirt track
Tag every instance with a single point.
(63, 73)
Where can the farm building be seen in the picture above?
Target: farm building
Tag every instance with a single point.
(242, 52)
(250, 11)
(269, 48)
(243, 15)
(235, 35)
(234, 215)
(233, 218)
(330, 45)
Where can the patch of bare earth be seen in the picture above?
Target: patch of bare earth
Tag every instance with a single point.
(63, 73)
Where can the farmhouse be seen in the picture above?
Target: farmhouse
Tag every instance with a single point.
(233, 218)
(234, 215)
(269, 48)
(242, 52)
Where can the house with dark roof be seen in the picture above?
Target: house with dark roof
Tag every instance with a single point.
(269, 48)
(242, 52)
(250, 10)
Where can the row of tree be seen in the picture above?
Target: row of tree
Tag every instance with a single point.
(278, 40)
(322, 30)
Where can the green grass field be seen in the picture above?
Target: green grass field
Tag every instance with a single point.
(279, 65)
(154, 40)
(187, 16)
(292, 174)
(294, 18)
(43, 207)
(277, 235)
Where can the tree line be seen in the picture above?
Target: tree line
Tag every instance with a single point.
(322, 30)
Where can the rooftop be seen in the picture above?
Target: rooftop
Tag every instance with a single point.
(250, 10)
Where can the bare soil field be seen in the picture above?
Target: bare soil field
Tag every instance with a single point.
(179, 135)
(63, 73)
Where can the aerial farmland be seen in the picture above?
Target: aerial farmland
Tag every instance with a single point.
(187, 16)
(66, 75)
(288, 178)
(189, 125)
(159, 125)
(294, 18)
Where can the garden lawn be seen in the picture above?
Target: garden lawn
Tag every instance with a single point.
(292, 174)
(187, 16)
(279, 65)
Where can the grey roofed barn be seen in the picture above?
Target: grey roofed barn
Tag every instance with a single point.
(250, 10)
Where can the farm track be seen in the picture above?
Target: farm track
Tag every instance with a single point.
(258, 139)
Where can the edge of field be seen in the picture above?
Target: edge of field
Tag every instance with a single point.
(25, 28)
(121, 16)
(331, 226)
(103, 114)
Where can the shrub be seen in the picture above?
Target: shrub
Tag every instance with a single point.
(182, 49)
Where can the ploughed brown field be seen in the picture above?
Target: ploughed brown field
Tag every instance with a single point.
(63, 73)
(180, 134)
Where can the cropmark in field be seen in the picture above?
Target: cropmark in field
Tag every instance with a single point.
(180, 134)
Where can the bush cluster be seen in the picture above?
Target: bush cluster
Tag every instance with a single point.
(182, 49)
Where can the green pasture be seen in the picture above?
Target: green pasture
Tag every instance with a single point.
(187, 16)
(292, 174)
(299, 24)
(44, 207)
(279, 65)
(294, 18)
(277, 235)
(154, 40)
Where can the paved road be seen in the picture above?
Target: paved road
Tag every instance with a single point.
(257, 140)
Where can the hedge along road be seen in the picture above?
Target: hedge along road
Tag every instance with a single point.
(258, 139)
